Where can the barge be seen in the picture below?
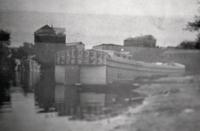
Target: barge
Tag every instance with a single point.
(76, 65)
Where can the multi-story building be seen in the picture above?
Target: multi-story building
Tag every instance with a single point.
(50, 34)
(48, 40)
(140, 41)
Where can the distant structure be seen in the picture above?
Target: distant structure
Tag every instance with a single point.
(48, 40)
(141, 41)
(108, 47)
(76, 44)
(50, 34)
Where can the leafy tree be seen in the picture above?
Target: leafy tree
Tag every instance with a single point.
(24, 51)
(187, 45)
(6, 71)
(195, 26)
(4, 54)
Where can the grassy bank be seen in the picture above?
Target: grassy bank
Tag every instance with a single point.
(173, 104)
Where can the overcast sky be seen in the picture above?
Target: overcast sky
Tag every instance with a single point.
(170, 17)
(186, 8)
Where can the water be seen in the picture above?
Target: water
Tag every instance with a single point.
(58, 107)
(68, 112)
(86, 102)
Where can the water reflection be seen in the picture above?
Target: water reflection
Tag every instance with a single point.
(44, 91)
(4, 94)
(85, 102)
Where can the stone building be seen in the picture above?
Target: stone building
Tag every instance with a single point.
(50, 34)
(48, 40)
(140, 41)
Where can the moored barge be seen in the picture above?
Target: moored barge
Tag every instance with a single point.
(75, 65)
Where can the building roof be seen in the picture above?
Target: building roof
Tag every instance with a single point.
(46, 29)
(107, 45)
(140, 37)
(75, 43)
(43, 29)
(59, 30)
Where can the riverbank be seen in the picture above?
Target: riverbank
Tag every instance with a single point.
(172, 105)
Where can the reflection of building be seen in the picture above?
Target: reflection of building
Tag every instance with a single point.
(92, 102)
(108, 47)
(18, 73)
(83, 100)
(70, 100)
(30, 73)
(66, 99)
(141, 41)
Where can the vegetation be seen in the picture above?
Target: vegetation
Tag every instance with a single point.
(6, 66)
(168, 107)
(195, 26)
(187, 45)
(8, 55)
(192, 26)
(23, 51)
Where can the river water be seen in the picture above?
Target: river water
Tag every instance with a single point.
(71, 109)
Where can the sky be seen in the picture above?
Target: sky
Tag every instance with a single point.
(161, 9)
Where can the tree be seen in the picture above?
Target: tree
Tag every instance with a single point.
(4, 54)
(187, 45)
(6, 71)
(195, 26)
(24, 51)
